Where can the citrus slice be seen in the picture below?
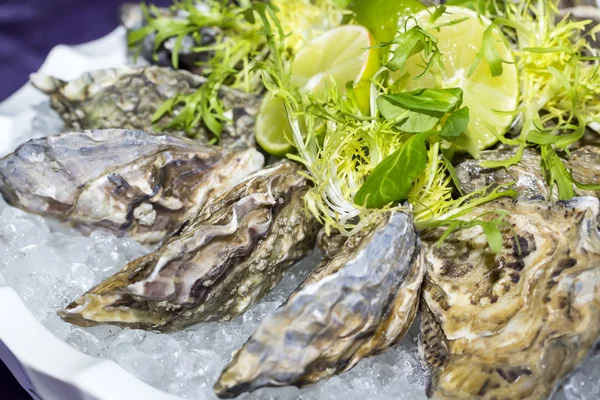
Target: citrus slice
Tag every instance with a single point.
(484, 94)
(272, 130)
(342, 54)
(381, 16)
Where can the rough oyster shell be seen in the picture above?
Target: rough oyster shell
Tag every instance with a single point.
(358, 302)
(513, 325)
(128, 97)
(223, 261)
(527, 177)
(131, 183)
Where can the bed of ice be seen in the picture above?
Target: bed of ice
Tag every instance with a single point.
(49, 265)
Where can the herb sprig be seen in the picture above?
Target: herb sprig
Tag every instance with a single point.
(234, 56)
(362, 165)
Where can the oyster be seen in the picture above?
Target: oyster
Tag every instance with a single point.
(132, 17)
(358, 302)
(513, 325)
(128, 97)
(131, 183)
(224, 259)
(585, 166)
(527, 177)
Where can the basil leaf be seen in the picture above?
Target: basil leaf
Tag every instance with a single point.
(430, 101)
(455, 124)
(392, 179)
(406, 120)
(419, 110)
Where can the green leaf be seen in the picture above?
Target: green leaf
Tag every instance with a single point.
(432, 101)
(411, 42)
(560, 141)
(505, 163)
(490, 53)
(557, 173)
(480, 6)
(134, 37)
(439, 11)
(392, 179)
(455, 124)
(491, 229)
(453, 174)
(419, 110)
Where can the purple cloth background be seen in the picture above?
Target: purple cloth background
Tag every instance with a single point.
(28, 30)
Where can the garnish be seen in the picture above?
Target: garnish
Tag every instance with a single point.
(364, 165)
(559, 74)
(232, 58)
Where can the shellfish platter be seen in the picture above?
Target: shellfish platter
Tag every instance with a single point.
(308, 199)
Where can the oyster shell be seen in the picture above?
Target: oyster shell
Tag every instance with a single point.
(358, 302)
(513, 325)
(585, 166)
(224, 259)
(131, 183)
(527, 177)
(128, 97)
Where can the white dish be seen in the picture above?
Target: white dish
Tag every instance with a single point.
(45, 366)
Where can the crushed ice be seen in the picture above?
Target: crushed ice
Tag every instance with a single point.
(49, 265)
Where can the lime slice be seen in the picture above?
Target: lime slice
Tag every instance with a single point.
(484, 94)
(341, 54)
(381, 16)
(272, 130)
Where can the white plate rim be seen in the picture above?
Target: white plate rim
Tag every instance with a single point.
(47, 367)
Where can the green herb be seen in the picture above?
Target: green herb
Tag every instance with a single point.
(488, 8)
(556, 173)
(489, 52)
(433, 101)
(455, 125)
(411, 42)
(392, 179)
(559, 85)
(419, 110)
(364, 165)
(491, 229)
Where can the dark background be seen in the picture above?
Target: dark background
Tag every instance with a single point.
(28, 30)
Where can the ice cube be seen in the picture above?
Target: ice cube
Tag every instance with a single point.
(57, 326)
(81, 340)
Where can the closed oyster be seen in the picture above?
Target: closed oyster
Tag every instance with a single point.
(358, 302)
(131, 183)
(513, 325)
(585, 166)
(527, 177)
(224, 260)
(128, 98)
